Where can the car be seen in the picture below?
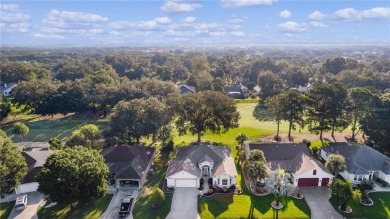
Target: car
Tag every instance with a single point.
(21, 203)
(126, 204)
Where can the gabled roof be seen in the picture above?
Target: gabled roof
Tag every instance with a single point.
(128, 162)
(7, 86)
(188, 158)
(35, 160)
(185, 88)
(236, 88)
(360, 159)
(292, 157)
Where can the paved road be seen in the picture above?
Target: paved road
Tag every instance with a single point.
(318, 200)
(184, 204)
(112, 211)
(34, 200)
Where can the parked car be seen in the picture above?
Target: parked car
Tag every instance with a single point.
(21, 203)
(126, 204)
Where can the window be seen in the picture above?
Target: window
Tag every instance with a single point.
(314, 172)
(355, 178)
(224, 182)
(230, 180)
(218, 180)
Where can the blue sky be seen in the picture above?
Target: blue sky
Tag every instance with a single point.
(198, 23)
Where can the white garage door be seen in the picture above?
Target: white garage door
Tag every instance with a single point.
(28, 187)
(186, 183)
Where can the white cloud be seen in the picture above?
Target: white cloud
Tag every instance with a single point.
(235, 20)
(189, 19)
(291, 26)
(217, 34)
(63, 18)
(42, 36)
(346, 14)
(13, 20)
(176, 6)
(163, 20)
(350, 14)
(237, 33)
(246, 3)
(316, 15)
(285, 14)
(376, 13)
(9, 7)
(122, 25)
(317, 24)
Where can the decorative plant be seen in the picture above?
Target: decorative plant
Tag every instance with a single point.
(342, 192)
(278, 183)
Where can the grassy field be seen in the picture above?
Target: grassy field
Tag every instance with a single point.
(5, 209)
(90, 210)
(248, 205)
(380, 209)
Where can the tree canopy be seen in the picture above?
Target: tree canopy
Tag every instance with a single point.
(12, 164)
(73, 174)
(19, 128)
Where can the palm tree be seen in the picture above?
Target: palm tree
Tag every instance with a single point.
(19, 128)
(335, 163)
(257, 170)
(278, 183)
(241, 138)
(257, 155)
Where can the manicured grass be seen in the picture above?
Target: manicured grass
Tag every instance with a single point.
(90, 210)
(43, 130)
(6, 208)
(380, 209)
(248, 205)
(143, 208)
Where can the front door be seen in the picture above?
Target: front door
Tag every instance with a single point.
(206, 171)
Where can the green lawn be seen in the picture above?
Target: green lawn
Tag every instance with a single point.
(5, 209)
(248, 205)
(43, 130)
(380, 209)
(90, 210)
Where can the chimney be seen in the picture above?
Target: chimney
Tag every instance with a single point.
(5, 85)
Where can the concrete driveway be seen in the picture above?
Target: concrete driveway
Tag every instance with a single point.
(184, 204)
(34, 200)
(112, 211)
(318, 200)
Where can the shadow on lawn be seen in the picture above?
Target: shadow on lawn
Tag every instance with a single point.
(221, 204)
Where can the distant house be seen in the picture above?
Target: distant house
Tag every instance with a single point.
(362, 162)
(35, 159)
(293, 158)
(185, 88)
(303, 89)
(257, 90)
(129, 165)
(202, 161)
(6, 89)
(237, 91)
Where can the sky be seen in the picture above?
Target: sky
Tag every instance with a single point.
(194, 23)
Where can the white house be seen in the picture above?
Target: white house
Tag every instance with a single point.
(6, 89)
(198, 161)
(35, 159)
(295, 159)
(129, 165)
(362, 162)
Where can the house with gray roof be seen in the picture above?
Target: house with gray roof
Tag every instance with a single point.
(35, 159)
(295, 159)
(185, 88)
(198, 161)
(129, 165)
(237, 91)
(6, 89)
(362, 162)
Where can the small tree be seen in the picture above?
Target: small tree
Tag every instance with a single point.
(342, 192)
(278, 183)
(76, 138)
(335, 163)
(256, 155)
(158, 197)
(90, 132)
(241, 138)
(257, 170)
(19, 128)
(56, 144)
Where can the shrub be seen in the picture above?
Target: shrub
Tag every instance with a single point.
(158, 197)
(277, 138)
(252, 95)
(224, 189)
(365, 185)
(211, 190)
(314, 150)
(169, 145)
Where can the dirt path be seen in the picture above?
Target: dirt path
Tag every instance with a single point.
(313, 137)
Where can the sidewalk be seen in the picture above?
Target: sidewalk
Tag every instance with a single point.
(378, 188)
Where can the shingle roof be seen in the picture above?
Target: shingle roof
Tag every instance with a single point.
(360, 158)
(188, 158)
(288, 156)
(10, 85)
(128, 162)
(35, 160)
(186, 88)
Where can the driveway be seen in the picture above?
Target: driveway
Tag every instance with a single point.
(112, 211)
(318, 200)
(184, 204)
(33, 201)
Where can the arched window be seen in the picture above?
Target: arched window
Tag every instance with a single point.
(314, 172)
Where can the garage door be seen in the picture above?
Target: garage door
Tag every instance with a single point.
(185, 183)
(129, 183)
(28, 187)
(324, 181)
(308, 182)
